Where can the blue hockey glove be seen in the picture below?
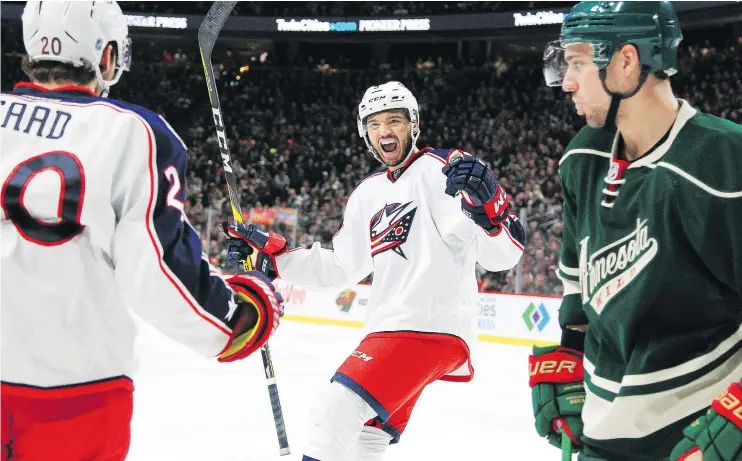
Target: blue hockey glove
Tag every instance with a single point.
(482, 198)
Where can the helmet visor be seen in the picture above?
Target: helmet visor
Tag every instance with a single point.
(124, 61)
(391, 120)
(567, 60)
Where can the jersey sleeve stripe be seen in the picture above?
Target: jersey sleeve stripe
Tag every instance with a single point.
(155, 244)
(584, 151)
(572, 272)
(443, 161)
(607, 384)
(570, 286)
(703, 186)
(517, 244)
(152, 166)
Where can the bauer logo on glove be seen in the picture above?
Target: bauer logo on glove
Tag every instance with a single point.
(717, 435)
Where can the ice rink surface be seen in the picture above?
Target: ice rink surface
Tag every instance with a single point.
(188, 408)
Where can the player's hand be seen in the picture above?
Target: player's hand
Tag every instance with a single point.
(482, 198)
(557, 393)
(259, 308)
(716, 436)
(243, 238)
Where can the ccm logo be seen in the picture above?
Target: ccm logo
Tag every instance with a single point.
(552, 366)
(222, 137)
(361, 356)
(376, 98)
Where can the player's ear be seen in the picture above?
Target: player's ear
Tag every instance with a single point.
(107, 62)
(629, 63)
(624, 69)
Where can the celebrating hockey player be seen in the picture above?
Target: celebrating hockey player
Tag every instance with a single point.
(92, 225)
(405, 224)
(651, 255)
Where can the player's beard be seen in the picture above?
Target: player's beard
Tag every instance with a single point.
(406, 146)
(597, 117)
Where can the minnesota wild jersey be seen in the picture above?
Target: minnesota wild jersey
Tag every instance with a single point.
(652, 264)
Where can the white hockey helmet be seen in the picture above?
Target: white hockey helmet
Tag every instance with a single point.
(379, 98)
(77, 33)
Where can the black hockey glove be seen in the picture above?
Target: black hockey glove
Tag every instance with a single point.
(482, 198)
(242, 239)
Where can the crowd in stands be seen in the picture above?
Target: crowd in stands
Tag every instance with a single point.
(295, 144)
(318, 9)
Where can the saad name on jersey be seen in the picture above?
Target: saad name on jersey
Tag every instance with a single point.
(35, 119)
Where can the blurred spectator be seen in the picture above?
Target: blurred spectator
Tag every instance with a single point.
(294, 142)
(340, 8)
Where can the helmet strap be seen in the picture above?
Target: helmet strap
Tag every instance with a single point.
(610, 119)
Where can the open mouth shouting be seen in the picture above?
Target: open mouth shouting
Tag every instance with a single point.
(388, 145)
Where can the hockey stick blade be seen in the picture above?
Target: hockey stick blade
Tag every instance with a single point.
(208, 33)
(212, 24)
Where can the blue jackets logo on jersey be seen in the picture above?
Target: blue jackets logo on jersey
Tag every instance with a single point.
(389, 228)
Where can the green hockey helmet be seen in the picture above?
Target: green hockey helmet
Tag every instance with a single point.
(652, 27)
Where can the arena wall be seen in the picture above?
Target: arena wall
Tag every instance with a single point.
(503, 318)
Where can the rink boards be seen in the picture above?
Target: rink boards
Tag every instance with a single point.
(502, 318)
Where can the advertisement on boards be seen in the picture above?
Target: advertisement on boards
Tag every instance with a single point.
(505, 318)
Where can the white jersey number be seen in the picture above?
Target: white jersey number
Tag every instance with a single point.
(171, 173)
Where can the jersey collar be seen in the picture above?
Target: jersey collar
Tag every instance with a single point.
(393, 176)
(32, 88)
(685, 113)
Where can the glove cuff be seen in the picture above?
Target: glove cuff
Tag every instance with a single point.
(269, 242)
(267, 264)
(729, 404)
(498, 208)
(561, 366)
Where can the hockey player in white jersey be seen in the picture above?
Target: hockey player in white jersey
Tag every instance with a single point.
(406, 224)
(92, 226)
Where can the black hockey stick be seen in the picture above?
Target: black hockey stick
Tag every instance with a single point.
(207, 35)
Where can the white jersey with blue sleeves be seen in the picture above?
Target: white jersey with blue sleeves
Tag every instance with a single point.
(93, 226)
(421, 248)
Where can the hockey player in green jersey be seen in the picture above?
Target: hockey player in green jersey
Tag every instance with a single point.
(651, 253)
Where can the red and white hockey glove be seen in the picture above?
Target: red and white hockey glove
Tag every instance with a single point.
(243, 238)
(557, 393)
(718, 434)
(258, 310)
